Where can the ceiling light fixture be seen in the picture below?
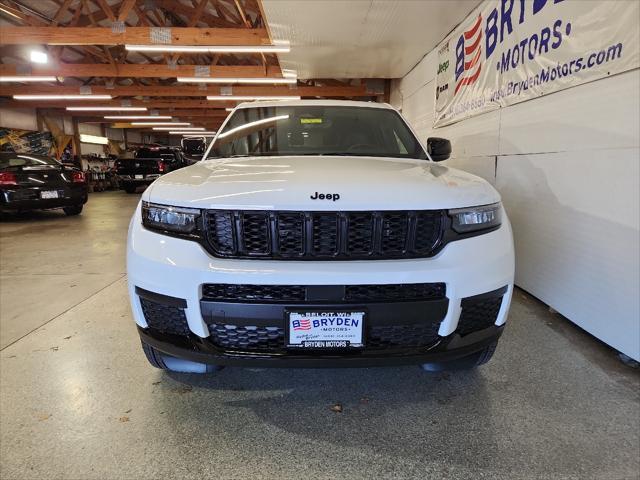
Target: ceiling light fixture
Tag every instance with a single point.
(37, 56)
(154, 124)
(209, 48)
(185, 129)
(62, 97)
(224, 98)
(288, 80)
(27, 78)
(84, 138)
(193, 134)
(107, 109)
(138, 117)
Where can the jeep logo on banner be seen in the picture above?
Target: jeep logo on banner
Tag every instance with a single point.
(510, 51)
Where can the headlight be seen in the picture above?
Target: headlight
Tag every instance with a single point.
(471, 219)
(170, 219)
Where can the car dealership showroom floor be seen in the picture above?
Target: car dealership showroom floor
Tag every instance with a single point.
(79, 400)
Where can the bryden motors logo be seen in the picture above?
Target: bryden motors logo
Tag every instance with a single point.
(468, 53)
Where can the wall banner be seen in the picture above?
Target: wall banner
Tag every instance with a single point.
(510, 51)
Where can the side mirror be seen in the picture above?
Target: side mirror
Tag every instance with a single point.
(439, 148)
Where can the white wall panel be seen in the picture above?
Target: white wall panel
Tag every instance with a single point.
(567, 166)
(18, 118)
(576, 236)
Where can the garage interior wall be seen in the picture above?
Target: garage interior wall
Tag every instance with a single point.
(567, 167)
(26, 119)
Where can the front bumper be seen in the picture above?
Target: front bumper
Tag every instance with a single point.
(177, 268)
(24, 199)
(200, 350)
(131, 179)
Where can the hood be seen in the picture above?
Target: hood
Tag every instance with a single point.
(289, 183)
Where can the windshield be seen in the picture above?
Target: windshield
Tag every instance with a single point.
(18, 160)
(316, 130)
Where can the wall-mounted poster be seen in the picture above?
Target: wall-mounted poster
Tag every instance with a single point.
(25, 141)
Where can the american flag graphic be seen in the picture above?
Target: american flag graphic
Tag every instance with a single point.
(472, 51)
(302, 324)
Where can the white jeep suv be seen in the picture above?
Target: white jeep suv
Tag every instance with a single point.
(319, 233)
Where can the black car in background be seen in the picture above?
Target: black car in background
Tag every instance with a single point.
(34, 182)
(193, 149)
(147, 165)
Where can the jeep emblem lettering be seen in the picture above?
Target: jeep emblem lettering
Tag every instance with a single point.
(325, 196)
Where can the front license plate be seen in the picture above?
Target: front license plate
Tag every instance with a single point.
(139, 177)
(49, 194)
(321, 330)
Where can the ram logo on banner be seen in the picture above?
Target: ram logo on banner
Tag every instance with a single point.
(510, 51)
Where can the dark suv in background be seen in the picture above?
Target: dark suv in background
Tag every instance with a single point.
(148, 164)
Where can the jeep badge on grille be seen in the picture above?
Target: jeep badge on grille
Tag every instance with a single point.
(325, 196)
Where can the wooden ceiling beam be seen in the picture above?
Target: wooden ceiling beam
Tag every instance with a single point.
(201, 114)
(131, 35)
(126, 70)
(191, 91)
(150, 104)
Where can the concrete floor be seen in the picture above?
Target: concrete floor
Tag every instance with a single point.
(78, 400)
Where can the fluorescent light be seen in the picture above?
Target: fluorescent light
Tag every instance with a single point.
(62, 97)
(229, 109)
(38, 56)
(253, 124)
(107, 109)
(193, 134)
(137, 117)
(152, 124)
(84, 138)
(237, 80)
(179, 128)
(252, 97)
(210, 48)
(27, 78)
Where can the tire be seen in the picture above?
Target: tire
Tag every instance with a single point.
(173, 364)
(73, 210)
(130, 188)
(465, 363)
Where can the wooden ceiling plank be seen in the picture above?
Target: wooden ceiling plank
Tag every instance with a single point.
(131, 35)
(151, 104)
(193, 91)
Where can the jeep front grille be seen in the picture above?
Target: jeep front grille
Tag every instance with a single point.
(324, 235)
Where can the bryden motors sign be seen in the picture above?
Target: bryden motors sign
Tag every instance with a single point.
(510, 51)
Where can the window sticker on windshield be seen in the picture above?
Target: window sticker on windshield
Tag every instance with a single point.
(310, 120)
